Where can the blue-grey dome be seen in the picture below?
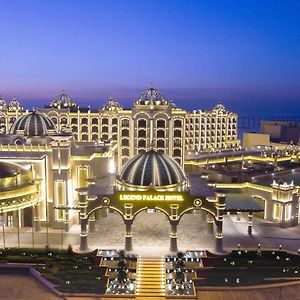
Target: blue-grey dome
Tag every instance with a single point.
(152, 168)
(33, 124)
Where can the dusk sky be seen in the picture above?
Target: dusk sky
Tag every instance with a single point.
(244, 53)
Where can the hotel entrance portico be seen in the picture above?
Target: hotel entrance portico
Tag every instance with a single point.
(150, 181)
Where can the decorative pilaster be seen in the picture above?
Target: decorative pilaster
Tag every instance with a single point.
(173, 236)
(92, 219)
(220, 205)
(210, 224)
(36, 221)
(83, 203)
(128, 235)
(250, 222)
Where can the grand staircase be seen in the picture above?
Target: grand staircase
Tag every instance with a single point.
(150, 277)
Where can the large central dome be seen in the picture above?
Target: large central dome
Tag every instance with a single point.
(33, 124)
(153, 169)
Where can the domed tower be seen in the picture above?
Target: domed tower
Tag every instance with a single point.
(152, 169)
(152, 97)
(3, 105)
(15, 106)
(33, 124)
(112, 105)
(63, 101)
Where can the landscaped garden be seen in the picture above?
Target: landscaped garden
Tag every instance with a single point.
(67, 271)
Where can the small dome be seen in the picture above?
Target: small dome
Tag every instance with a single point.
(3, 104)
(220, 107)
(15, 105)
(112, 104)
(151, 97)
(63, 101)
(152, 168)
(33, 124)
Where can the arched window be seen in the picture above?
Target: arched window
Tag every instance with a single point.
(114, 121)
(114, 137)
(125, 142)
(141, 143)
(104, 137)
(125, 132)
(125, 123)
(177, 133)
(94, 129)
(95, 121)
(177, 152)
(160, 133)
(95, 137)
(74, 121)
(2, 120)
(104, 129)
(160, 144)
(104, 121)
(142, 133)
(160, 123)
(84, 121)
(114, 129)
(125, 151)
(74, 128)
(84, 129)
(142, 123)
(54, 120)
(64, 121)
(85, 137)
(177, 142)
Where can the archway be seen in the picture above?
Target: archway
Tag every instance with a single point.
(151, 229)
(105, 229)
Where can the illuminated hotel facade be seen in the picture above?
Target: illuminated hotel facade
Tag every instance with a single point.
(63, 146)
(153, 123)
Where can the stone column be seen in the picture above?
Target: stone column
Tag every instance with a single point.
(250, 222)
(92, 220)
(210, 224)
(36, 221)
(173, 237)
(220, 205)
(83, 202)
(128, 235)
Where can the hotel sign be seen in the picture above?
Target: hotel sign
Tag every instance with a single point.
(151, 197)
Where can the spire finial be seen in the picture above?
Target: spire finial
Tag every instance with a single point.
(151, 85)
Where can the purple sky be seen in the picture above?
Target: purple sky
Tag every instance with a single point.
(244, 53)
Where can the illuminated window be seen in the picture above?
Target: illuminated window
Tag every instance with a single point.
(82, 176)
(60, 197)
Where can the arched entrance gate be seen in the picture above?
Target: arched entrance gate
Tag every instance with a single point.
(130, 203)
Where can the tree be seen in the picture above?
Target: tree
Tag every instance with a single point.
(122, 268)
(179, 269)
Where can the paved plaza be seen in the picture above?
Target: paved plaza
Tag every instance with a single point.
(151, 234)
